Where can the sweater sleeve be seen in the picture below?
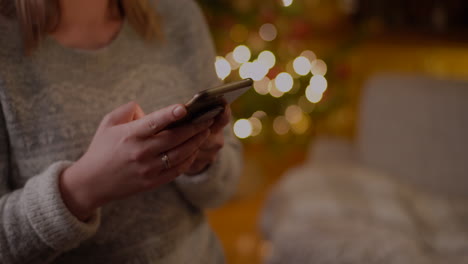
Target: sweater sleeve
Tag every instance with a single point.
(220, 180)
(35, 224)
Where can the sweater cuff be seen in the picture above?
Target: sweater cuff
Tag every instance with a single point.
(48, 214)
(207, 175)
(203, 184)
(196, 178)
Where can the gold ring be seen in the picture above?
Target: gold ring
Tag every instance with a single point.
(165, 160)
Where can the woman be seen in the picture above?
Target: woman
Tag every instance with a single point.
(85, 175)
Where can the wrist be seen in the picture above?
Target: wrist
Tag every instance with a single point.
(75, 193)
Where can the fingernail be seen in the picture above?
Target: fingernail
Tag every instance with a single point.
(179, 111)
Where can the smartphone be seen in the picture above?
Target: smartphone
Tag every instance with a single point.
(209, 103)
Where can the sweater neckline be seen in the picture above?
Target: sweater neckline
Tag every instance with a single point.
(49, 40)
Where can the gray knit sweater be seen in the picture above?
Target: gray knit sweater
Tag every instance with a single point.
(51, 105)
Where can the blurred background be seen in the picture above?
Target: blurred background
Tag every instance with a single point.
(310, 60)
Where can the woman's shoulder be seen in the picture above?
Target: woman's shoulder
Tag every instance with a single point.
(10, 38)
(179, 12)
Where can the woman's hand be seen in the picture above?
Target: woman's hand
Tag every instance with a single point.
(125, 157)
(208, 151)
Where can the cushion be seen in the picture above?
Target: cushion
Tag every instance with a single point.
(348, 213)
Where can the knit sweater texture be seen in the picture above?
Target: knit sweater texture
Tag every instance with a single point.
(51, 105)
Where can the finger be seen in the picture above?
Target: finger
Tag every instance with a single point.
(221, 120)
(177, 155)
(169, 139)
(167, 176)
(158, 120)
(203, 160)
(197, 167)
(180, 153)
(213, 142)
(139, 113)
(207, 156)
(184, 166)
(122, 114)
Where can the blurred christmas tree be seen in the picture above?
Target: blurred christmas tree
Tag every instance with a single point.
(296, 90)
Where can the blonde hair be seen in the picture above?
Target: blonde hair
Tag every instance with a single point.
(39, 17)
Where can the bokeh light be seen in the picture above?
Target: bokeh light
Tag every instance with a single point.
(259, 114)
(318, 67)
(267, 58)
(223, 68)
(242, 128)
(254, 70)
(244, 70)
(287, 2)
(310, 55)
(261, 87)
(302, 65)
(312, 95)
(302, 126)
(293, 114)
(242, 54)
(256, 126)
(273, 90)
(281, 125)
(318, 83)
(284, 82)
(268, 32)
(259, 70)
(234, 64)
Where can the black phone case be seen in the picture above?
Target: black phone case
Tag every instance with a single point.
(209, 103)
